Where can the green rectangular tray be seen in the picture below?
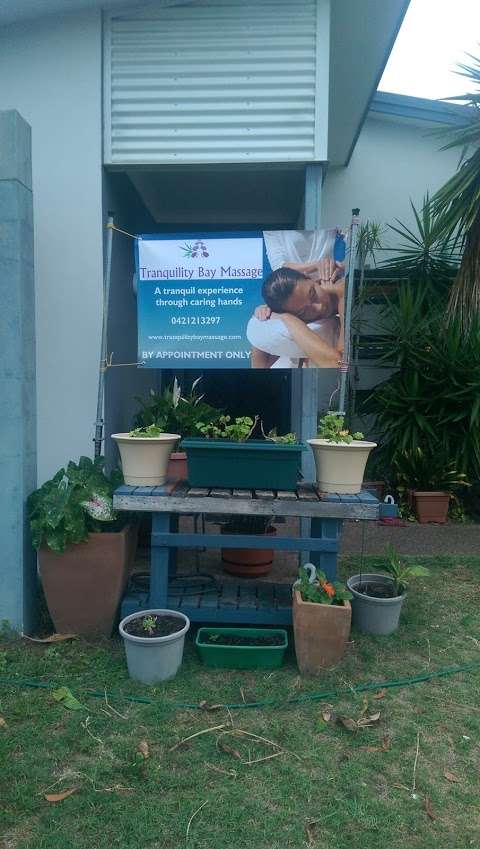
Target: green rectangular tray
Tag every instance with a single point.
(242, 657)
(254, 464)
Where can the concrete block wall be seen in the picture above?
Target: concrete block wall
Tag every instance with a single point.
(18, 469)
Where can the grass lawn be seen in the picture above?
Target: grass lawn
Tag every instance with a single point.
(411, 780)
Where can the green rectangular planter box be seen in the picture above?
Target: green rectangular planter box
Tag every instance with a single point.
(254, 464)
(242, 657)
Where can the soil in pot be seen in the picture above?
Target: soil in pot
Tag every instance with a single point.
(375, 590)
(164, 625)
(237, 640)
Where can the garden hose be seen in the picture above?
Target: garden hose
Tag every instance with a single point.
(274, 703)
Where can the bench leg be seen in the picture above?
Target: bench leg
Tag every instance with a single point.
(326, 529)
(163, 560)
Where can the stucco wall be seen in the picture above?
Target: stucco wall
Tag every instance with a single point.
(50, 71)
(392, 162)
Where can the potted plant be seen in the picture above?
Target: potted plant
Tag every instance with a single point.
(176, 413)
(428, 481)
(378, 599)
(145, 453)
(154, 641)
(340, 457)
(248, 562)
(242, 648)
(224, 455)
(85, 549)
(321, 620)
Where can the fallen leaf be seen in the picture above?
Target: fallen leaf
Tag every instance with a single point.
(427, 806)
(366, 721)
(381, 694)
(326, 716)
(65, 696)
(143, 749)
(348, 723)
(53, 638)
(450, 776)
(59, 797)
(3, 722)
(229, 750)
(310, 831)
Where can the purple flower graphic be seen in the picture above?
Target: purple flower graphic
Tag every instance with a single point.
(191, 251)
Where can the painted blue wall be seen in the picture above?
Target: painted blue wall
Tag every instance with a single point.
(18, 470)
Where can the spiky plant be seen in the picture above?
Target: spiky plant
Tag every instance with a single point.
(457, 204)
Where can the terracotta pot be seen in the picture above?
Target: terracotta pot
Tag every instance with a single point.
(177, 466)
(432, 506)
(377, 488)
(84, 584)
(321, 633)
(145, 460)
(247, 562)
(340, 465)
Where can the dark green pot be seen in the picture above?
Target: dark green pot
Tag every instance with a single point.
(254, 464)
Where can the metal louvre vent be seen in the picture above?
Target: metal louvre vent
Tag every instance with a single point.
(212, 81)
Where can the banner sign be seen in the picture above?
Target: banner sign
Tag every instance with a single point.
(271, 299)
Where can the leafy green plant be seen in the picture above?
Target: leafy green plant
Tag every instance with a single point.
(77, 501)
(332, 427)
(321, 591)
(148, 624)
(272, 436)
(150, 432)
(238, 430)
(432, 402)
(428, 258)
(173, 412)
(426, 471)
(401, 571)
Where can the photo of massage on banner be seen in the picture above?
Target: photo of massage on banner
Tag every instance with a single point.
(273, 299)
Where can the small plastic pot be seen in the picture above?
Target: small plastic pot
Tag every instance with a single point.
(379, 616)
(154, 659)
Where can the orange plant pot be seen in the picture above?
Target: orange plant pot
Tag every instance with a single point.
(248, 562)
(84, 584)
(177, 466)
(321, 633)
(431, 506)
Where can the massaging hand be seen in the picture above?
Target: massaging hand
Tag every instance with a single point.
(263, 312)
(329, 271)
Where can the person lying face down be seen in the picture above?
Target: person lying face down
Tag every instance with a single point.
(288, 290)
(297, 299)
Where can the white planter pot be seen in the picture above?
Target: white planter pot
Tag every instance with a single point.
(154, 659)
(340, 465)
(145, 460)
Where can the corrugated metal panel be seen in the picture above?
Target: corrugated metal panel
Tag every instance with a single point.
(212, 81)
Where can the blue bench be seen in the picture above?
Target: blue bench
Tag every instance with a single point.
(230, 600)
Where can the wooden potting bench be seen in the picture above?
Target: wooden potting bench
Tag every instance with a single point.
(235, 600)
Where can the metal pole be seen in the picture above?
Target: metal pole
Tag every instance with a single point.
(350, 284)
(103, 345)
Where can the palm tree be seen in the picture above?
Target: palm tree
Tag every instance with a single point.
(457, 205)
